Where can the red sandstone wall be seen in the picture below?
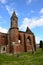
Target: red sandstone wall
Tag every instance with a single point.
(2, 39)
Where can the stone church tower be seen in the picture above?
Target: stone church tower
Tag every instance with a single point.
(13, 32)
(14, 28)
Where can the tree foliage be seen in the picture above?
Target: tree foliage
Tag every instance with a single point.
(41, 43)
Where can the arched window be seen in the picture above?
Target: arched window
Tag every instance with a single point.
(4, 49)
(28, 40)
(19, 39)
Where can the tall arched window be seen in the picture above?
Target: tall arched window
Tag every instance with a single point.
(29, 40)
(19, 39)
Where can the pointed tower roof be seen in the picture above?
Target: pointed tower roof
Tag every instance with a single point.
(29, 31)
(14, 15)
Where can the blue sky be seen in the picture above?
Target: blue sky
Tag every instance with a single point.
(29, 12)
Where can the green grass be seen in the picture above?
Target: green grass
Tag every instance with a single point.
(26, 58)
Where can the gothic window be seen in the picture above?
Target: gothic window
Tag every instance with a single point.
(19, 39)
(28, 40)
(3, 36)
(3, 48)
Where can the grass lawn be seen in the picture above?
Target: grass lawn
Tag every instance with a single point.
(26, 58)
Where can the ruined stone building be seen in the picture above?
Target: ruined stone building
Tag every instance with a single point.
(16, 41)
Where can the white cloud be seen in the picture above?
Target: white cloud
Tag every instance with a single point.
(3, 1)
(31, 23)
(11, 10)
(29, 1)
(17, 13)
(3, 30)
(41, 11)
(25, 23)
(37, 38)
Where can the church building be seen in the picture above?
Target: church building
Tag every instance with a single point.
(15, 41)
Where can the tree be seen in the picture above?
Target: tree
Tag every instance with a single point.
(41, 43)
